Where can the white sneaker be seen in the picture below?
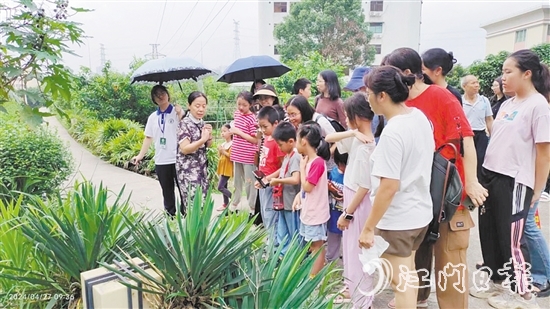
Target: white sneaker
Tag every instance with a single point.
(544, 197)
(494, 290)
(513, 301)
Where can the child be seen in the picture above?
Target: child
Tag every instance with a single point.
(289, 176)
(244, 149)
(335, 188)
(271, 158)
(225, 166)
(313, 200)
(357, 204)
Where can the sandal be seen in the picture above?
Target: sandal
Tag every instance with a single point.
(343, 297)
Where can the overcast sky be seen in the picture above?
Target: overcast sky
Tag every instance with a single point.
(203, 29)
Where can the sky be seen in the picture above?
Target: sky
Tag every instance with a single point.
(203, 29)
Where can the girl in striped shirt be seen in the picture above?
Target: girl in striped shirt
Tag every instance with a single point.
(244, 149)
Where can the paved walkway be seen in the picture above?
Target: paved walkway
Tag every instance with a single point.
(145, 194)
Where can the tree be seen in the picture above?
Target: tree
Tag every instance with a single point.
(453, 78)
(543, 51)
(34, 38)
(334, 28)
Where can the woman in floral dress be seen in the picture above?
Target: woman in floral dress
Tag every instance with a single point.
(194, 136)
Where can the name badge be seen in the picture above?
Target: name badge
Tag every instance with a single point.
(163, 142)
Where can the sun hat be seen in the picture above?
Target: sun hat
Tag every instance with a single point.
(266, 90)
(356, 80)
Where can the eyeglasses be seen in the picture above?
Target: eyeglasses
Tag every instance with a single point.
(293, 115)
(263, 97)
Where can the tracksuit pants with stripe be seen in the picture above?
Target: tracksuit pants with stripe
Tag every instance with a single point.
(501, 227)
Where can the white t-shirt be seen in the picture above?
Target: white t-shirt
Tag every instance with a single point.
(477, 112)
(405, 152)
(518, 126)
(164, 154)
(358, 167)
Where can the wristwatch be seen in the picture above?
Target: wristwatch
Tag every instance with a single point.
(347, 216)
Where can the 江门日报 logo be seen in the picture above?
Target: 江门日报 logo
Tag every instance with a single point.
(453, 276)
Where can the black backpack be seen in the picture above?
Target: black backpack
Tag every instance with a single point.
(334, 123)
(445, 189)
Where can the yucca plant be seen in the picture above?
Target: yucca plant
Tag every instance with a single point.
(193, 256)
(265, 281)
(75, 234)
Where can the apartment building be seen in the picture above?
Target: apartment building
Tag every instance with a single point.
(394, 24)
(518, 31)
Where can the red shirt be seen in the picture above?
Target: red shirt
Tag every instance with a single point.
(271, 156)
(448, 121)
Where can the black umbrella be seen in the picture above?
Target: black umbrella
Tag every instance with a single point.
(252, 68)
(169, 69)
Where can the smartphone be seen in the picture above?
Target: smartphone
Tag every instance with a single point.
(259, 177)
(468, 203)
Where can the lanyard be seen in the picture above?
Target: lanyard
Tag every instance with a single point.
(162, 119)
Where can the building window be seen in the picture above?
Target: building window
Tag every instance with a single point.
(375, 27)
(279, 7)
(377, 48)
(275, 51)
(520, 35)
(376, 6)
(548, 30)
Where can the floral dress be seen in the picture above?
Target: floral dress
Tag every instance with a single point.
(191, 169)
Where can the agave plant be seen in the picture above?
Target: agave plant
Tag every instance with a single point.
(221, 263)
(72, 235)
(281, 283)
(192, 256)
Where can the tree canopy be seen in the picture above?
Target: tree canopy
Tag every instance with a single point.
(34, 38)
(334, 28)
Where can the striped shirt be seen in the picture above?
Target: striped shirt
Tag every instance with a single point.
(243, 151)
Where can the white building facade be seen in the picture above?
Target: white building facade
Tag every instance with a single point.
(521, 30)
(394, 24)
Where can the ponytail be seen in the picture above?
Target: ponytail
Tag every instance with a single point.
(311, 131)
(543, 83)
(323, 150)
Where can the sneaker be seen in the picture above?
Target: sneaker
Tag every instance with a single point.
(542, 290)
(544, 197)
(222, 207)
(511, 300)
(494, 290)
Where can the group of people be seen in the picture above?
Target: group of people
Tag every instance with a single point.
(337, 173)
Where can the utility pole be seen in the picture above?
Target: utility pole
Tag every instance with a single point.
(154, 54)
(236, 38)
(102, 55)
(102, 60)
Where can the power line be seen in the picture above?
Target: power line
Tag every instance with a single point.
(183, 22)
(227, 13)
(155, 54)
(196, 37)
(161, 19)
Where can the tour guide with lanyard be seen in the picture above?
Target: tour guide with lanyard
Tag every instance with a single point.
(162, 123)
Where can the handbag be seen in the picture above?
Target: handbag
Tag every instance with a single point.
(278, 201)
(445, 190)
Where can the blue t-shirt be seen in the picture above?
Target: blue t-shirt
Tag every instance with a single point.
(337, 178)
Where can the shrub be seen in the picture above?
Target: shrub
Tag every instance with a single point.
(32, 154)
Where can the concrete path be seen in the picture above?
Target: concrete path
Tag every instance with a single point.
(145, 194)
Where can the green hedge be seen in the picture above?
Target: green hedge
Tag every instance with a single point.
(34, 160)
